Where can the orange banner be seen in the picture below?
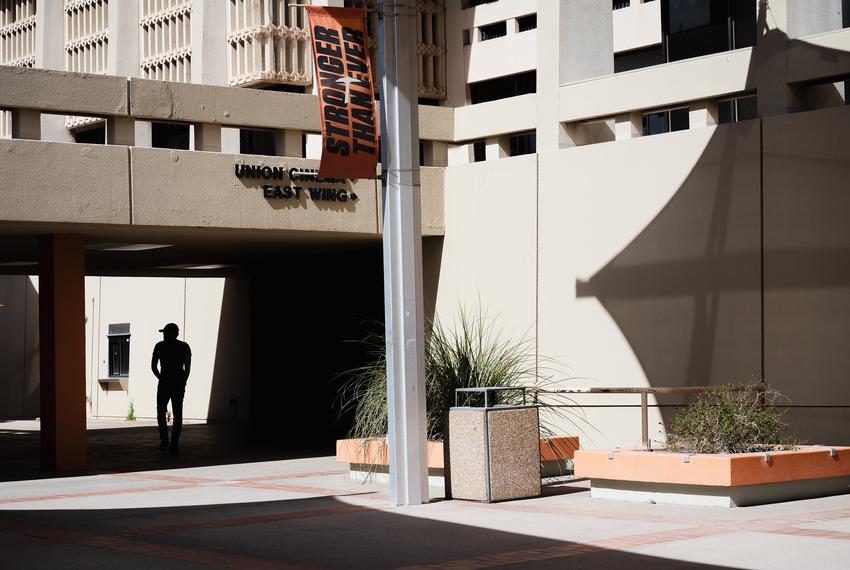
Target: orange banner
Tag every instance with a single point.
(346, 95)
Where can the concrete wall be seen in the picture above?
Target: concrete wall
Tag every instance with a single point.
(214, 318)
(19, 360)
(637, 26)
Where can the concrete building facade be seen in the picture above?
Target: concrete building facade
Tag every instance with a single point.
(654, 192)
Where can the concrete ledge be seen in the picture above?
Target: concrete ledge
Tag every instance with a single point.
(713, 496)
(819, 56)
(172, 101)
(373, 452)
(721, 479)
(63, 92)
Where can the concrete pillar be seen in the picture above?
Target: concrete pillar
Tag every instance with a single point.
(209, 42)
(702, 114)
(207, 137)
(49, 40)
(26, 124)
(288, 143)
(496, 147)
(314, 146)
(230, 143)
(628, 126)
(806, 17)
(439, 153)
(458, 154)
(120, 131)
(62, 347)
(143, 134)
(583, 31)
(123, 47)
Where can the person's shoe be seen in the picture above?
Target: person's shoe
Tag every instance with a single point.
(163, 445)
(173, 448)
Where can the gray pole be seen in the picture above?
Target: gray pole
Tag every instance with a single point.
(403, 254)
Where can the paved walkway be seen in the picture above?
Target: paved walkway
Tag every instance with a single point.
(306, 513)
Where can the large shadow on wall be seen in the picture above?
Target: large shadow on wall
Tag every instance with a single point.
(745, 272)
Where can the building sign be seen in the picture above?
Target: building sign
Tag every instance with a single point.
(346, 94)
(277, 182)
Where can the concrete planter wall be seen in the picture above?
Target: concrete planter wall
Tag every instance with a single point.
(717, 480)
(367, 458)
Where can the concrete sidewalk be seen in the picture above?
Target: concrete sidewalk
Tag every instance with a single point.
(305, 513)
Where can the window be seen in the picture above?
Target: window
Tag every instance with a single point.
(493, 31)
(503, 87)
(524, 143)
(464, 4)
(119, 350)
(526, 23)
(665, 121)
(692, 28)
(257, 142)
(479, 151)
(170, 135)
(618, 4)
(97, 135)
(739, 109)
(638, 58)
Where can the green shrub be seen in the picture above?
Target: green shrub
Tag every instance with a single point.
(730, 419)
(473, 354)
(131, 413)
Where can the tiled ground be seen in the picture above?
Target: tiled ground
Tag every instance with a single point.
(305, 513)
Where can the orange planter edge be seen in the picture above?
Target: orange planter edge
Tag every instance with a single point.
(374, 451)
(807, 462)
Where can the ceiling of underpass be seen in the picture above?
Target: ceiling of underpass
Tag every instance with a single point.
(193, 252)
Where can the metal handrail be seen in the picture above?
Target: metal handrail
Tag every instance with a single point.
(644, 398)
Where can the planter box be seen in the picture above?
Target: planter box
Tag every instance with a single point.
(367, 458)
(717, 480)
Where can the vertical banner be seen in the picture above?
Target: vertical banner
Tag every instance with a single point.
(346, 95)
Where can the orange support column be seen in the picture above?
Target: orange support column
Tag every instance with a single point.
(62, 350)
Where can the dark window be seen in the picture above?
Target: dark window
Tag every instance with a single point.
(421, 153)
(845, 13)
(503, 87)
(479, 151)
(467, 37)
(693, 28)
(119, 350)
(170, 135)
(525, 143)
(464, 4)
(428, 101)
(493, 31)
(284, 87)
(256, 142)
(655, 123)
(96, 135)
(526, 23)
(617, 4)
(638, 58)
(666, 121)
(747, 108)
(734, 110)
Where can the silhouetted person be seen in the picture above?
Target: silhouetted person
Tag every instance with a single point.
(175, 360)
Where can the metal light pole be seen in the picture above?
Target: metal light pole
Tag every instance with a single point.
(403, 253)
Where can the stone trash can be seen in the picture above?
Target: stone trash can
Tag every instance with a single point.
(494, 450)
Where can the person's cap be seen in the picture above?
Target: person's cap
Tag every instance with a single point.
(170, 327)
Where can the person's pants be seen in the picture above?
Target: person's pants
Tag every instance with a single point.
(164, 393)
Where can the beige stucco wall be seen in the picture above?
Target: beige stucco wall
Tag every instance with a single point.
(197, 305)
(488, 256)
(637, 26)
